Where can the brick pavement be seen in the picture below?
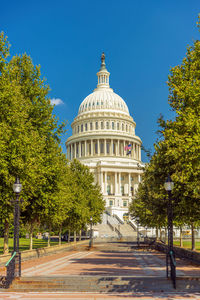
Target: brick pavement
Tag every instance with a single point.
(110, 260)
(102, 262)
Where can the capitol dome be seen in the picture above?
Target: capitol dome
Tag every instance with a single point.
(103, 138)
(103, 98)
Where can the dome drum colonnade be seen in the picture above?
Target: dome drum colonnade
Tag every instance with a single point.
(100, 135)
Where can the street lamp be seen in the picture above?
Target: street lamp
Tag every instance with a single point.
(169, 185)
(91, 234)
(17, 187)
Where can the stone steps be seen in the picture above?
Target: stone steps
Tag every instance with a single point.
(103, 284)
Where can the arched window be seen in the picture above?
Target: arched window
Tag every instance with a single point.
(86, 127)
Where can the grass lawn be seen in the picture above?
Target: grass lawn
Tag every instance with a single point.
(24, 244)
(187, 244)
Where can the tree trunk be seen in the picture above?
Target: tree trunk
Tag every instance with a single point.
(60, 233)
(156, 233)
(69, 232)
(193, 237)
(49, 237)
(181, 237)
(165, 235)
(80, 235)
(160, 231)
(31, 237)
(6, 235)
(75, 236)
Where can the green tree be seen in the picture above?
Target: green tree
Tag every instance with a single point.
(87, 200)
(30, 133)
(178, 151)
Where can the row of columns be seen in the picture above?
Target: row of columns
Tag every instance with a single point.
(102, 146)
(117, 183)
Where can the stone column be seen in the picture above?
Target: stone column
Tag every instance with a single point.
(111, 145)
(79, 151)
(139, 178)
(139, 153)
(101, 181)
(117, 148)
(119, 182)
(105, 186)
(116, 186)
(98, 148)
(85, 148)
(92, 148)
(74, 150)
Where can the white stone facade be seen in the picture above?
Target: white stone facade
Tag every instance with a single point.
(100, 135)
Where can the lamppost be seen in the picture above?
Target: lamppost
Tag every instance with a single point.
(169, 185)
(91, 234)
(17, 187)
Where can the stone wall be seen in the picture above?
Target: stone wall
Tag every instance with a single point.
(36, 253)
(193, 256)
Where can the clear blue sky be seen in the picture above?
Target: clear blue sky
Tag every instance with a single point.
(142, 40)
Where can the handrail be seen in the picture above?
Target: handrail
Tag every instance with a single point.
(118, 219)
(172, 258)
(14, 253)
(13, 268)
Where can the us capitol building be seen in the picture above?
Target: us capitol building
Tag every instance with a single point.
(103, 138)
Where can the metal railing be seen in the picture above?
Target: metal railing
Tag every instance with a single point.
(13, 268)
(171, 256)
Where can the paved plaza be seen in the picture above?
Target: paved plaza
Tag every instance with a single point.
(109, 259)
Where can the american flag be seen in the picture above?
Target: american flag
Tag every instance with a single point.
(128, 149)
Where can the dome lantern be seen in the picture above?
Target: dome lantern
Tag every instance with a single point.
(103, 74)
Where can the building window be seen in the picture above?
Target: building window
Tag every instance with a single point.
(124, 203)
(96, 125)
(122, 178)
(108, 177)
(122, 127)
(86, 127)
(96, 148)
(113, 125)
(101, 147)
(117, 126)
(108, 189)
(107, 125)
(101, 125)
(78, 129)
(131, 178)
(89, 149)
(82, 128)
(114, 148)
(122, 190)
(90, 126)
(110, 202)
(126, 128)
(108, 147)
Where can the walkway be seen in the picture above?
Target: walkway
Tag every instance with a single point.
(109, 259)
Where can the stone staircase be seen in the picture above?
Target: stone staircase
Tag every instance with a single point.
(103, 284)
(112, 226)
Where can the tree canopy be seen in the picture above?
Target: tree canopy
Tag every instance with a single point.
(177, 152)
